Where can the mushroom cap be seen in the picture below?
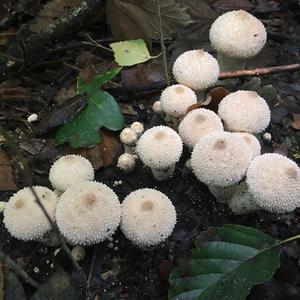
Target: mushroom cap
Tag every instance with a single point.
(69, 170)
(238, 34)
(157, 107)
(87, 213)
(244, 111)
(148, 217)
(176, 99)
(137, 127)
(159, 147)
(221, 158)
(252, 142)
(128, 136)
(196, 69)
(126, 162)
(274, 182)
(197, 124)
(23, 217)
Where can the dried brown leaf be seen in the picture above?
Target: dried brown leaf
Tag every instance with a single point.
(7, 182)
(51, 11)
(14, 93)
(133, 19)
(214, 97)
(103, 154)
(6, 34)
(296, 122)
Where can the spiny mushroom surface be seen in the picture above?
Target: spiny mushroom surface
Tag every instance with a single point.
(221, 158)
(148, 217)
(137, 127)
(23, 217)
(196, 69)
(69, 170)
(88, 213)
(128, 136)
(176, 99)
(252, 141)
(274, 182)
(197, 124)
(126, 162)
(244, 111)
(238, 34)
(159, 148)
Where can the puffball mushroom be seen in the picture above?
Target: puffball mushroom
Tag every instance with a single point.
(252, 141)
(128, 137)
(69, 170)
(197, 124)
(160, 148)
(148, 217)
(126, 162)
(137, 127)
(23, 217)
(196, 69)
(237, 36)
(221, 158)
(274, 182)
(88, 213)
(244, 111)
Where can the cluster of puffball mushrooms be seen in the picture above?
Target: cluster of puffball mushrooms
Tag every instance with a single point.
(225, 155)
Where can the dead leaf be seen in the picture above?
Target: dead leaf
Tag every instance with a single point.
(1, 281)
(7, 182)
(6, 34)
(214, 97)
(222, 6)
(296, 122)
(134, 19)
(192, 107)
(51, 11)
(127, 109)
(14, 93)
(103, 154)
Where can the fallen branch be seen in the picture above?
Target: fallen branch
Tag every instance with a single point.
(236, 74)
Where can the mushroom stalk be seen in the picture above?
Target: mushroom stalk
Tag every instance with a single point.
(227, 63)
(163, 174)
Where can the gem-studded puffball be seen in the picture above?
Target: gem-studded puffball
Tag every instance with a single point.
(69, 170)
(221, 158)
(252, 141)
(274, 182)
(88, 213)
(244, 111)
(159, 147)
(196, 69)
(23, 217)
(238, 34)
(148, 217)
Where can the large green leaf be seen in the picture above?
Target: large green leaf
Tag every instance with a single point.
(227, 266)
(101, 111)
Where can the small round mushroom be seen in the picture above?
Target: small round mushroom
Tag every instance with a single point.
(221, 158)
(252, 141)
(69, 170)
(129, 138)
(274, 182)
(244, 111)
(197, 124)
(137, 127)
(157, 108)
(237, 36)
(23, 217)
(126, 162)
(160, 148)
(148, 217)
(196, 69)
(88, 213)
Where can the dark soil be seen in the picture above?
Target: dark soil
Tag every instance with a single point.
(121, 270)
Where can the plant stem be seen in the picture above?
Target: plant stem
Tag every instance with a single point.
(163, 48)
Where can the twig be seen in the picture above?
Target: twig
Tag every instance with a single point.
(18, 270)
(242, 73)
(162, 45)
(96, 44)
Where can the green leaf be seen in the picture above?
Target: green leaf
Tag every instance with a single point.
(129, 53)
(102, 110)
(138, 19)
(227, 266)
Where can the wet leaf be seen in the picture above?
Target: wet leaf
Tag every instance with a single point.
(14, 93)
(13, 289)
(58, 287)
(226, 266)
(296, 122)
(51, 11)
(101, 111)
(214, 97)
(7, 182)
(138, 19)
(129, 53)
(223, 6)
(1, 281)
